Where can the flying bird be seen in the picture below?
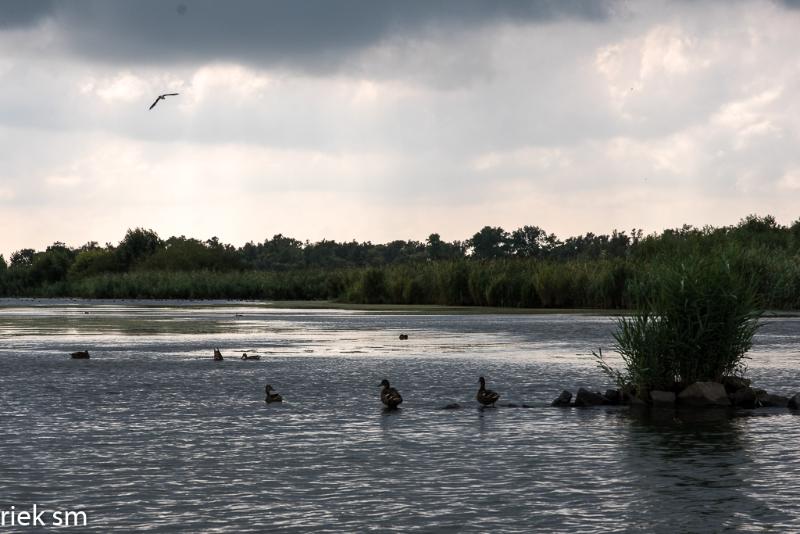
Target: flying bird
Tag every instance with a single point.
(162, 97)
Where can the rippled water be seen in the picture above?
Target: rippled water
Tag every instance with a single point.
(150, 434)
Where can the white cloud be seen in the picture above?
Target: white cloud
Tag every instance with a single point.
(678, 113)
(124, 87)
(752, 116)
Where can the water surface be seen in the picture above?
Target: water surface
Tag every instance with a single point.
(150, 434)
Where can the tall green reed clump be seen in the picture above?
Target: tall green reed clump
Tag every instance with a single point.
(695, 319)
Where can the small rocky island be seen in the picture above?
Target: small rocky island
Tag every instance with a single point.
(684, 343)
(731, 391)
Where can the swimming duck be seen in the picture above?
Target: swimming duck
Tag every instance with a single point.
(403, 336)
(80, 355)
(390, 396)
(217, 355)
(272, 397)
(253, 357)
(487, 397)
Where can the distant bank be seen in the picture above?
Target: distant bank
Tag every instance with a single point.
(525, 269)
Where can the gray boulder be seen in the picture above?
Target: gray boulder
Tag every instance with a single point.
(744, 398)
(767, 400)
(662, 398)
(704, 394)
(563, 400)
(613, 396)
(589, 398)
(734, 383)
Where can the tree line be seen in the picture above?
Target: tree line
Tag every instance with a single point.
(527, 267)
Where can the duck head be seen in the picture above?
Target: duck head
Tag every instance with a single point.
(482, 382)
(385, 383)
(268, 388)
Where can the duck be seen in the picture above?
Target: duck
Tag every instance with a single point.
(253, 357)
(390, 396)
(218, 355)
(403, 336)
(272, 397)
(487, 397)
(80, 355)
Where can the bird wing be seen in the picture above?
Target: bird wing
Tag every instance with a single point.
(487, 396)
(154, 103)
(391, 396)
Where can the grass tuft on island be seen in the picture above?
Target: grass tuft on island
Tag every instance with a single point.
(687, 340)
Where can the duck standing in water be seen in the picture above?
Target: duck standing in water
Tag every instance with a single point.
(390, 396)
(272, 395)
(486, 397)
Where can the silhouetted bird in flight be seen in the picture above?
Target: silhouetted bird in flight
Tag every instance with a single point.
(162, 97)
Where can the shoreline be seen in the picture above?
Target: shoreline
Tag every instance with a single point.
(417, 309)
(420, 309)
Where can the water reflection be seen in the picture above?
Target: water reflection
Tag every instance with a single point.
(696, 461)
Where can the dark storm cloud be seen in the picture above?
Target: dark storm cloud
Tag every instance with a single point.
(313, 33)
(15, 14)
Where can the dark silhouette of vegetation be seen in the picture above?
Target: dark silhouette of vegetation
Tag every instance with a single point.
(695, 319)
(527, 267)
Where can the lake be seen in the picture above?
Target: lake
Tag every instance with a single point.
(150, 434)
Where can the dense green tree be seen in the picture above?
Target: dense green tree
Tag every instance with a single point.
(51, 265)
(137, 245)
(93, 262)
(532, 242)
(489, 243)
(437, 249)
(23, 258)
(794, 236)
(280, 253)
(182, 254)
(762, 231)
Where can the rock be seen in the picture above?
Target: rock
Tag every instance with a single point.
(734, 383)
(589, 398)
(794, 402)
(744, 398)
(563, 400)
(662, 398)
(613, 396)
(633, 400)
(704, 394)
(767, 400)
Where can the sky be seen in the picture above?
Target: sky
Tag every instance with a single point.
(375, 121)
